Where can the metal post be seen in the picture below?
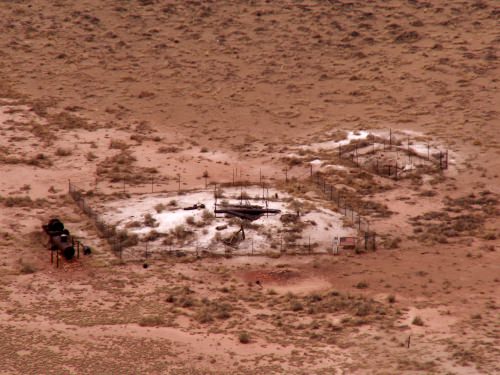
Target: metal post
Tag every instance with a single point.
(311, 168)
(390, 139)
(286, 174)
(152, 182)
(51, 256)
(331, 192)
(124, 185)
(179, 176)
(57, 258)
(78, 249)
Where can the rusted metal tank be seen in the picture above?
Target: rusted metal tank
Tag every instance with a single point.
(60, 238)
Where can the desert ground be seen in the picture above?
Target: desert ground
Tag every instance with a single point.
(144, 107)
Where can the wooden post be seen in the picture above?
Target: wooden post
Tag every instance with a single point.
(390, 139)
(428, 151)
(179, 176)
(233, 176)
(206, 178)
(286, 174)
(309, 244)
(331, 192)
(311, 168)
(152, 182)
(78, 249)
(260, 175)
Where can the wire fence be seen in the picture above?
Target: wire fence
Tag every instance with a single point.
(389, 158)
(353, 216)
(121, 240)
(118, 239)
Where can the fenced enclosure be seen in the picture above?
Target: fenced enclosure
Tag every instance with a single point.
(357, 220)
(391, 157)
(127, 245)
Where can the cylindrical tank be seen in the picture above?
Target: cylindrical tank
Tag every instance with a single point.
(64, 244)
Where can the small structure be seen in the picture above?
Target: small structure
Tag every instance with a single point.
(61, 241)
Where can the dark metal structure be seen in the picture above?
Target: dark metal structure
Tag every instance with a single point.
(60, 239)
(246, 212)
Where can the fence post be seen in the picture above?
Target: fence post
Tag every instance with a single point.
(286, 174)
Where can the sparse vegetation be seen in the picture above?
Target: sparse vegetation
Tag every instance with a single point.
(244, 337)
(417, 321)
(60, 151)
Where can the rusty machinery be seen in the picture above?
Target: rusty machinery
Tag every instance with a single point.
(62, 241)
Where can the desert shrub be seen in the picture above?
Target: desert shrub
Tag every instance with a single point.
(63, 151)
(190, 220)
(244, 337)
(26, 268)
(66, 120)
(180, 232)
(172, 203)
(296, 306)
(160, 207)
(126, 239)
(133, 224)
(391, 298)
(168, 149)
(90, 156)
(118, 144)
(150, 221)
(207, 216)
(22, 201)
(417, 321)
(362, 285)
(151, 321)
(152, 236)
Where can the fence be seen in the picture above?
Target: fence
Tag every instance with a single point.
(120, 239)
(390, 167)
(117, 239)
(357, 220)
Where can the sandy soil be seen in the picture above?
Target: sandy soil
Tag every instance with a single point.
(125, 98)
